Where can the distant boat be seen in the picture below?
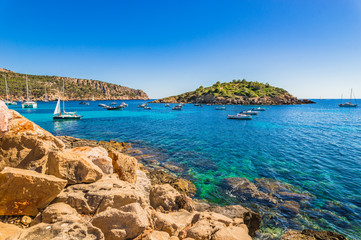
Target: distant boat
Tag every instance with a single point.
(8, 102)
(221, 108)
(167, 105)
(147, 108)
(259, 109)
(93, 100)
(178, 107)
(114, 103)
(240, 116)
(249, 112)
(28, 103)
(114, 108)
(46, 96)
(123, 104)
(62, 115)
(348, 104)
(102, 105)
(198, 105)
(143, 105)
(84, 103)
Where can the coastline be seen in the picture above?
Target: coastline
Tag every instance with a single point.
(125, 148)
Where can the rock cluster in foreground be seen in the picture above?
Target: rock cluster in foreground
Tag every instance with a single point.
(50, 189)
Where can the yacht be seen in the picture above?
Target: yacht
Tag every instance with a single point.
(348, 104)
(167, 105)
(259, 109)
(178, 107)
(240, 116)
(84, 103)
(46, 96)
(28, 103)
(62, 114)
(143, 105)
(8, 102)
(249, 112)
(221, 108)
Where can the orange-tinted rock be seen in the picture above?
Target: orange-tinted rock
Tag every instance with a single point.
(124, 166)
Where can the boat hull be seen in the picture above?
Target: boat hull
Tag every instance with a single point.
(29, 105)
(67, 117)
(348, 105)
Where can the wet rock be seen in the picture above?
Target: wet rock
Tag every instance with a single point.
(232, 233)
(23, 144)
(168, 198)
(173, 167)
(98, 156)
(124, 165)
(72, 142)
(60, 230)
(292, 208)
(89, 199)
(113, 145)
(74, 167)
(182, 185)
(249, 217)
(247, 191)
(309, 234)
(124, 223)
(24, 192)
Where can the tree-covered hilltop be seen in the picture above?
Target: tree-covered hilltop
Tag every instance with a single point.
(75, 88)
(236, 92)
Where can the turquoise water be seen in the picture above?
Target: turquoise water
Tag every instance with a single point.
(316, 148)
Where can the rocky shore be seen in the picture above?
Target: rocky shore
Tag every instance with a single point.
(68, 188)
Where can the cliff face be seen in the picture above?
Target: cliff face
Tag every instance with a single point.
(237, 92)
(75, 88)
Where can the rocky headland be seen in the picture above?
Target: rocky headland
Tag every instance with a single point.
(69, 188)
(237, 92)
(75, 88)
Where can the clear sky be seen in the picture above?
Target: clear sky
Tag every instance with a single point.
(311, 48)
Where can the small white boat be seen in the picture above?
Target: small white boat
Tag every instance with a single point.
(348, 104)
(147, 108)
(102, 105)
(123, 104)
(143, 105)
(63, 115)
(93, 99)
(259, 109)
(46, 96)
(8, 102)
(178, 107)
(221, 108)
(167, 105)
(240, 116)
(28, 103)
(249, 112)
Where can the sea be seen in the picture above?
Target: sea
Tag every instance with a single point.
(315, 148)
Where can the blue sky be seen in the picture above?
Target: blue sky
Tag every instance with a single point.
(311, 48)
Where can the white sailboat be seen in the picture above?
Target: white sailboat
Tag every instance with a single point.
(63, 115)
(348, 104)
(28, 103)
(8, 102)
(93, 100)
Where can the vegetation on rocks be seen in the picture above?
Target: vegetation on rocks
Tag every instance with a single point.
(236, 92)
(76, 88)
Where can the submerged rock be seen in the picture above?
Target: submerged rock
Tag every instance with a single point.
(24, 192)
(309, 234)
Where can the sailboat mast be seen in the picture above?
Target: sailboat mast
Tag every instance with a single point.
(27, 89)
(351, 95)
(6, 89)
(63, 97)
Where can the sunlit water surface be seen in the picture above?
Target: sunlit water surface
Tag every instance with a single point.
(316, 148)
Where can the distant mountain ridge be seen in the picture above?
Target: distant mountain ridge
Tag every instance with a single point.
(75, 88)
(240, 92)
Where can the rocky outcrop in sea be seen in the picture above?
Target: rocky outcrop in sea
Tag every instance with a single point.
(68, 188)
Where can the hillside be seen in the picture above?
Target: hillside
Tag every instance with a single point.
(237, 92)
(75, 88)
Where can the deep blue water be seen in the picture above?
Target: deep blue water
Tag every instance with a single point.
(316, 148)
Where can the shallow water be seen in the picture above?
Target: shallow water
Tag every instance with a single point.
(316, 148)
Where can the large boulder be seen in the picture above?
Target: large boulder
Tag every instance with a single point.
(89, 199)
(249, 217)
(24, 192)
(98, 155)
(173, 222)
(125, 166)
(7, 230)
(23, 144)
(168, 199)
(125, 223)
(74, 167)
(68, 229)
(231, 233)
(58, 212)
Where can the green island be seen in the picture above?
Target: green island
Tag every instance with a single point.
(75, 88)
(237, 92)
